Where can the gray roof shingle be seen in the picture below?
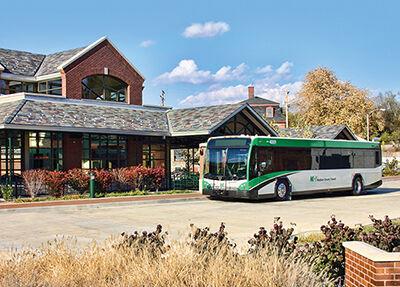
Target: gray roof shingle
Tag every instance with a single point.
(84, 116)
(53, 113)
(19, 62)
(258, 101)
(200, 118)
(322, 132)
(30, 64)
(52, 61)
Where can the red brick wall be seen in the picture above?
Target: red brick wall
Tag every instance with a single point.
(363, 272)
(72, 151)
(93, 63)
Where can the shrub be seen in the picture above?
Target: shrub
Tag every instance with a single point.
(78, 180)
(103, 179)
(384, 234)
(34, 181)
(207, 243)
(122, 178)
(6, 192)
(150, 243)
(56, 182)
(278, 239)
(391, 168)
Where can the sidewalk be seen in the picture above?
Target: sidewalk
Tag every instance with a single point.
(184, 196)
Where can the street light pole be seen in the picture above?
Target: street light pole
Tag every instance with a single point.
(368, 114)
(287, 109)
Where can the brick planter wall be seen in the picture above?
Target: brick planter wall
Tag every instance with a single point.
(368, 266)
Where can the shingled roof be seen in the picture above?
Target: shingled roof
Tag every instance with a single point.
(204, 120)
(29, 111)
(20, 62)
(35, 65)
(30, 64)
(323, 132)
(74, 116)
(260, 101)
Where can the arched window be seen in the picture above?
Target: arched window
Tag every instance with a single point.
(104, 87)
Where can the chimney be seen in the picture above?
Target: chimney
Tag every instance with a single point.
(250, 92)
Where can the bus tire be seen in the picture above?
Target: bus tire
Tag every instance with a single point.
(283, 190)
(358, 186)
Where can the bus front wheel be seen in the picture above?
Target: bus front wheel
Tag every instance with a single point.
(358, 187)
(283, 190)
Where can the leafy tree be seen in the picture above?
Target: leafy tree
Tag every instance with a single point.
(391, 115)
(326, 100)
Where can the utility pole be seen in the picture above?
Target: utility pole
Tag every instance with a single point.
(162, 97)
(287, 108)
(368, 126)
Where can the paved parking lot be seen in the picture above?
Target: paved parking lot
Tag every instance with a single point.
(32, 226)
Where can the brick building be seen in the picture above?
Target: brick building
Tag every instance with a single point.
(83, 108)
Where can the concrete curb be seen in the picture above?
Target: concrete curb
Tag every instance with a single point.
(145, 198)
(391, 178)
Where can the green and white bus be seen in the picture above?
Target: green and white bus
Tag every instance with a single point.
(256, 167)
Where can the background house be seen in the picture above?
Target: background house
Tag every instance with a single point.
(269, 110)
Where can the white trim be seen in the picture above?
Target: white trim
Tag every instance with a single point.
(89, 48)
(371, 252)
(22, 78)
(1, 67)
(190, 133)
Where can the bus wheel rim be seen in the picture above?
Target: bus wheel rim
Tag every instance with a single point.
(358, 186)
(281, 190)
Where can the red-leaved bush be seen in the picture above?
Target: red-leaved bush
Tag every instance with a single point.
(78, 179)
(56, 182)
(34, 181)
(103, 179)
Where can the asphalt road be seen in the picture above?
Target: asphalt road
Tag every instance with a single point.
(33, 226)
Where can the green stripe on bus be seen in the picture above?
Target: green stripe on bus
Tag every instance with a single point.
(309, 143)
(261, 179)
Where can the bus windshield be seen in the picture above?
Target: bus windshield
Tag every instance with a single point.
(226, 163)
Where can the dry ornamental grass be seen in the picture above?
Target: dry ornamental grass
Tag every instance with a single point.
(207, 259)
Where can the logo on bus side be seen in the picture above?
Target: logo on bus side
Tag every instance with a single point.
(314, 178)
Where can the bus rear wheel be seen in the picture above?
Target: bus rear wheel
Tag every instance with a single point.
(358, 187)
(283, 190)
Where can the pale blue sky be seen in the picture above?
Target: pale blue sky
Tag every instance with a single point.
(271, 44)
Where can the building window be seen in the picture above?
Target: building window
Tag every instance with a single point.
(269, 112)
(104, 151)
(104, 87)
(12, 87)
(50, 87)
(11, 153)
(45, 150)
(154, 155)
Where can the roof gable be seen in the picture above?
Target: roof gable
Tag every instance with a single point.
(36, 65)
(205, 120)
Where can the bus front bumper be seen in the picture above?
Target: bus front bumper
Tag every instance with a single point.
(238, 194)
